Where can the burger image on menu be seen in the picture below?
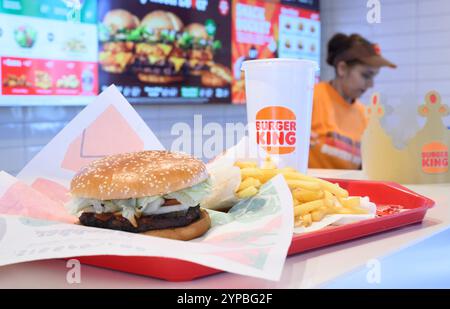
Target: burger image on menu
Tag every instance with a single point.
(155, 193)
(159, 59)
(118, 32)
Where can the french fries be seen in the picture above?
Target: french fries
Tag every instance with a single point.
(248, 192)
(313, 198)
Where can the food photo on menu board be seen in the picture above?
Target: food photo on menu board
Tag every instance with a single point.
(270, 29)
(166, 51)
(46, 51)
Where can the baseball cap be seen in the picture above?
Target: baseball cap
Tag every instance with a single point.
(369, 54)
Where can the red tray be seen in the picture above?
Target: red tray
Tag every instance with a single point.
(381, 193)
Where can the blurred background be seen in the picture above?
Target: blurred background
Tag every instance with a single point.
(56, 56)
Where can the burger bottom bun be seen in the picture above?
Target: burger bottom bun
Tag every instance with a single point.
(191, 231)
(212, 80)
(159, 79)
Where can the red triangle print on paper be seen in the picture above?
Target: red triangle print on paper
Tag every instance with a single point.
(21, 200)
(109, 134)
(52, 190)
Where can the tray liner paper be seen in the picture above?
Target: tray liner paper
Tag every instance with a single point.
(252, 239)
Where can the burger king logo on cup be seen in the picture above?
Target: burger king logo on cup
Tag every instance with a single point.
(276, 129)
(435, 158)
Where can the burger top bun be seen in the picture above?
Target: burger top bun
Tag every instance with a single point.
(162, 20)
(120, 19)
(138, 174)
(197, 31)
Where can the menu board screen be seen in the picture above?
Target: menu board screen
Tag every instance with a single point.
(165, 51)
(307, 4)
(299, 34)
(47, 48)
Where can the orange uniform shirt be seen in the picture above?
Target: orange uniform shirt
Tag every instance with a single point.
(339, 126)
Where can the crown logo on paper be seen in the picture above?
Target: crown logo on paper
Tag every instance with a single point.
(425, 157)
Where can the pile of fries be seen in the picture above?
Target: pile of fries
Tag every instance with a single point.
(313, 198)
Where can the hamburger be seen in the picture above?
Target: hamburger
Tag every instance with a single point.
(159, 59)
(217, 76)
(150, 192)
(200, 48)
(118, 32)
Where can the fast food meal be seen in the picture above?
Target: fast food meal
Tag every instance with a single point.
(68, 81)
(42, 79)
(13, 80)
(159, 58)
(118, 33)
(155, 193)
(218, 76)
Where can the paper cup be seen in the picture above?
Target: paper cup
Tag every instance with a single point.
(279, 105)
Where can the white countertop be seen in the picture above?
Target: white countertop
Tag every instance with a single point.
(303, 270)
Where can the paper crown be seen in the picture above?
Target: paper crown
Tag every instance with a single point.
(425, 157)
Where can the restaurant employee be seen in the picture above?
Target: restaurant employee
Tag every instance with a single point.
(338, 118)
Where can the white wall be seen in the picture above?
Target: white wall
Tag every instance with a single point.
(414, 34)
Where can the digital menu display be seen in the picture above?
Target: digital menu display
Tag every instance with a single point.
(269, 29)
(47, 48)
(62, 52)
(306, 4)
(166, 51)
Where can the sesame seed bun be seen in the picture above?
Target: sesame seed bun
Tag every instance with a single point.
(138, 174)
(162, 20)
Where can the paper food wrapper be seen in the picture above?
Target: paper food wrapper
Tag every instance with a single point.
(253, 239)
(226, 178)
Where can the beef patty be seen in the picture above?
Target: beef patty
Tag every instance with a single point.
(145, 223)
